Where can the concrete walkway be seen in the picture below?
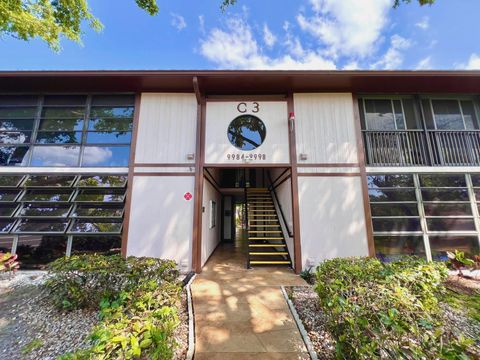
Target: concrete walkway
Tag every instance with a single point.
(240, 313)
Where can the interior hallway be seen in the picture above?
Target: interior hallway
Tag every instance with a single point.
(240, 313)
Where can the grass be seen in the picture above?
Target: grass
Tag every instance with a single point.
(468, 303)
(31, 346)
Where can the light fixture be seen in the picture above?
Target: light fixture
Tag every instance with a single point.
(303, 156)
(190, 156)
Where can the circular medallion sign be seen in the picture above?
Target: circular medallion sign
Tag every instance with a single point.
(246, 132)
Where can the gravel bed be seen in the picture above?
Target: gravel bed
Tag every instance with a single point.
(306, 304)
(181, 332)
(31, 328)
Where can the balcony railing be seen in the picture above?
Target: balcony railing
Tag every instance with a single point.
(422, 148)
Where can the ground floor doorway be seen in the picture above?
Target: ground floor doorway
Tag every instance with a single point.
(248, 210)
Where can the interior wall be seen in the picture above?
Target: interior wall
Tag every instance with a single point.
(332, 218)
(210, 236)
(161, 219)
(284, 195)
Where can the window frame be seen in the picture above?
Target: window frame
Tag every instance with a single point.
(391, 99)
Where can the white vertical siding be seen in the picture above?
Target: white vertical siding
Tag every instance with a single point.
(275, 147)
(332, 218)
(167, 128)
(161, 220)
(325, 128)
(210, 237)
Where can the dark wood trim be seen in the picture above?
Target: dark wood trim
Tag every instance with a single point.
(329, 165)
(131, 161)
(164, 165)
(281, 182)
(196, 88)
(248, 165)
(199, 180)
(297, 243)
(343, 174)
(363, 176)
(235, 98)
(213, 184)
(279, 176)
(212, 177)
(163, 173)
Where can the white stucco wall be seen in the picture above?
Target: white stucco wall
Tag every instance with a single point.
(161, 220)
(167, 128)
(332, 218)
(210, 236)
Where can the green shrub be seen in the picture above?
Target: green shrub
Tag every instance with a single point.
(82, 281)
(138, 301)
(378, 310)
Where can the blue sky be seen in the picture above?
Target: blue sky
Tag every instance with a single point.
(265, 34)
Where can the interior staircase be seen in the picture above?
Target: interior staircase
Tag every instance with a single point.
(266, 243)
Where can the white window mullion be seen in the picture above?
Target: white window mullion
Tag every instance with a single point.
(423, 220)
(473, 204)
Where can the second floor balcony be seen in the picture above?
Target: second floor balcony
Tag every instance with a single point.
(426, 132)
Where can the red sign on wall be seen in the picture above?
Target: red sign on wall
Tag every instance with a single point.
(187, 196)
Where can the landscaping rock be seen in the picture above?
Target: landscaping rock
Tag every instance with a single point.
(305, 300)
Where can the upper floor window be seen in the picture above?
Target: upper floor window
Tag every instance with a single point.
(450, 114)
(388, 114)
(66, 130)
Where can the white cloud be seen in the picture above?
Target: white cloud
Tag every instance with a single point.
(393, 58)
(201, 21)
(347, 27)
(178, 21)
(352, 65)
(268, 37)
(235, 47)
(423, 24)
(473, 63)
(424, 64)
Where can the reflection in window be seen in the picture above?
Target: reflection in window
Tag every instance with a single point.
(40, 226)
(441, 244)
(7, 210)
(49, 180)
(390, 247)
(35, 210)
(100, 196)
(10, 180)
(55, 156)
(105, 245)
(98, 211)
(6, 244)
(103, 181)
(96, 226)
(61, 120)
(14, 155)
(47, 195)
(36, 251)
(454, 115)
(8, 195)
(6, 225)
(106, 156)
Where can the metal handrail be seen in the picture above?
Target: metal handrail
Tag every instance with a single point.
(271, 188)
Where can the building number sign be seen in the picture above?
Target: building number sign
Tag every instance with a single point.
(247, 132)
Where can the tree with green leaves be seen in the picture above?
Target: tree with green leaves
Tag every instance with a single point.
(50, 20)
